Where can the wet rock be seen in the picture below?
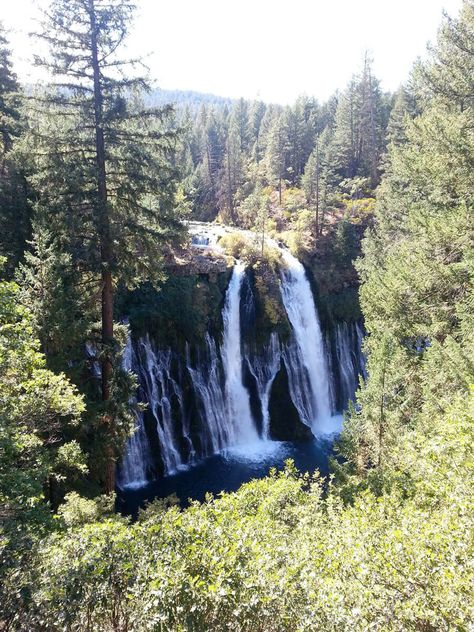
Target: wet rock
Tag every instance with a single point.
(285, 424)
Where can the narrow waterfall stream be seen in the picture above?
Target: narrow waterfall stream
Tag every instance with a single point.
(237, 397)
(264, 367)
(207, 425)
(344, 349)
(305, 356)
(133, 472)
(206, 378)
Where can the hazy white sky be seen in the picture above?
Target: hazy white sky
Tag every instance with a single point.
(272, 50)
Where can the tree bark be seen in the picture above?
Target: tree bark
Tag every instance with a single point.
(317, 185)
(106, 252)
(381, 420)
(230, 199)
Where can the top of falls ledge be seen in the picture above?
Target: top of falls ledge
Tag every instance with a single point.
(193, 259)
(329, 266)
(202, 254)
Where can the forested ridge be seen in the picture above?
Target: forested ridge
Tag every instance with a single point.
(98, 178)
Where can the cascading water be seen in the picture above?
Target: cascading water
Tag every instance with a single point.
(133, 472)
(221, 399)
(350, 361)
(345, 356)
(161, 392)
(241, 423)
(264, 366)
(333, 390)
(305, 356)
(299, 382)
(206, 377)
(360, 339)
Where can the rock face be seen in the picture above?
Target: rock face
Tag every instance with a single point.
(195, 261)
(285, 423)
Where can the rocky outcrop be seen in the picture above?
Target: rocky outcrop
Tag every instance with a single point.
(197, 261)
(285, 423)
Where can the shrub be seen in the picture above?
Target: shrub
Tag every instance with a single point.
(279, 555)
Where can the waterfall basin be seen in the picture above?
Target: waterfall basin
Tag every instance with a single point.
(231, 468)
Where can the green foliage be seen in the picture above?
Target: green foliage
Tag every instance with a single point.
(237, 245)
(254, 210)
(59, 299)
(417, 269)
(107, 203)
(281, 555)
(231, 151)
(388, 544)
(404, 107)
(14, 203)
(300, 236)
(36, 410)
(247, 249)
(345, 243)
(270, 312)
(360, 126)
(342, 306)
(447, 75)
(359, 209)
(76, 510)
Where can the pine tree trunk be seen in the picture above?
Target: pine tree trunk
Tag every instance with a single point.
(381, 420)
(106, 253)
(373, 137)
(317, 186)
(230, 199)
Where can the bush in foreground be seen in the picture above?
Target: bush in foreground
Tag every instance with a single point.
(278, 555)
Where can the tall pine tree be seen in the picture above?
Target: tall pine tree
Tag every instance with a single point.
(14, 205)
(105, 180)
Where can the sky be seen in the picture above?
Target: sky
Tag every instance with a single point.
(261, 49)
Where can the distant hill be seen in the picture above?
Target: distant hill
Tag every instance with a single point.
(183, 98)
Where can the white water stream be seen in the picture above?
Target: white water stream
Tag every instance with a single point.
(237, 397)
(306, 353)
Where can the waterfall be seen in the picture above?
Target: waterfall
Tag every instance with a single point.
(346, 361)
(299, 382)
(305, 356)
(207, 382)
(264, 366)
(348, 339)
(91, 354)
(221, 401)
(200, 241)
(135, 463)
(332, 368)
(240, 420)
(161, 393)
(199, 406)
(361, 357)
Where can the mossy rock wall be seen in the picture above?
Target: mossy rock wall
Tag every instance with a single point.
(182, 310)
